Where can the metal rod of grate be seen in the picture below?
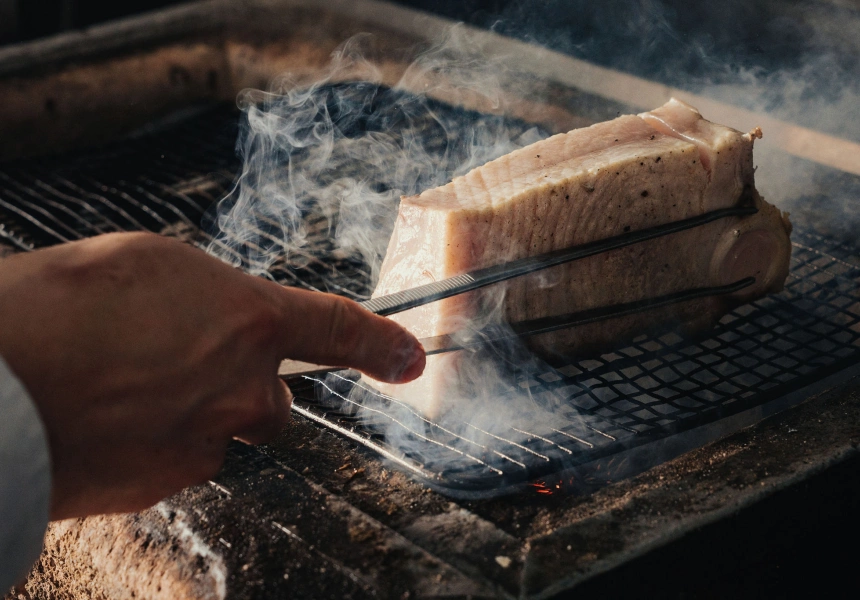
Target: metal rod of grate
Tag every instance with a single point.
(649, 390)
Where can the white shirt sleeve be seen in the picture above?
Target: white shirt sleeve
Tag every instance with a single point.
(25, 480)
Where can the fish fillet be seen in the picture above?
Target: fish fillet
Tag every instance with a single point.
(627, 174)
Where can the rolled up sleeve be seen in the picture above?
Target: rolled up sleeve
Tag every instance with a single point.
(25, 480)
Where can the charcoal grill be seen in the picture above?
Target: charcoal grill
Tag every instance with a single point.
(165, 182)
(617, 414)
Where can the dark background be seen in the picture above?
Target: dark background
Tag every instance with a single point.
(39, 18)
(712, 39)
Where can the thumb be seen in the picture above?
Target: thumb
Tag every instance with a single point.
(327, 329)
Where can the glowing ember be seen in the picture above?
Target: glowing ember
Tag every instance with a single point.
(541, 487)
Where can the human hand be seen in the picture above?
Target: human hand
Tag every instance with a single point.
(145, 357)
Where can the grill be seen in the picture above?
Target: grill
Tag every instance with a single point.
(315, 513)
(166, 178)
(654, 388)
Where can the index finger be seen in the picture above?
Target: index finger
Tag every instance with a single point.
(327, 329)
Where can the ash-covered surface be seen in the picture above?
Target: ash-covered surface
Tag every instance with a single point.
(313, 516)
(569, 535)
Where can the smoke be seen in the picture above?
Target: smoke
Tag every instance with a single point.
(330, 161)
(496, 426)
(815, 88)
(815, 94)
(339, 154)
(797, 62)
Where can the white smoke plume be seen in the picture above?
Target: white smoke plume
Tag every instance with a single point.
(326, 150)
(797, 62)
(336, 158)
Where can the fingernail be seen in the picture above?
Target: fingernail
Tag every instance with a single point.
(415, 365)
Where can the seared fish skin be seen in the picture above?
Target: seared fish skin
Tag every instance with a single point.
(630, 173)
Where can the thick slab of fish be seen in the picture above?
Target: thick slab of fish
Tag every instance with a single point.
(626, 174)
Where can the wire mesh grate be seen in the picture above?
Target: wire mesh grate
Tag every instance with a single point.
(653, 388)
(166, 180)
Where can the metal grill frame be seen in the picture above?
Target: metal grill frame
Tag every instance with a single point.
(613, 437)
(165, 180)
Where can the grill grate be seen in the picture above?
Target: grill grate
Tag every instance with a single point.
(655, 387)
(165, 179)
(161, 180)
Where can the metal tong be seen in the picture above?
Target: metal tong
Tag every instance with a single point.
(467, 282)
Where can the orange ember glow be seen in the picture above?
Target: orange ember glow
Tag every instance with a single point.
(541, 487)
